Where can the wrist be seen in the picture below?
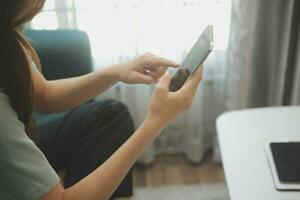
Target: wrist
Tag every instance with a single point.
(149, 129)
(116, 72)
(154, 123)
(122, 70)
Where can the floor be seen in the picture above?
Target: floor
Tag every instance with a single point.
(174, 169)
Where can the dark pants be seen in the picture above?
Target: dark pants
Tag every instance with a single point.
(87, 136)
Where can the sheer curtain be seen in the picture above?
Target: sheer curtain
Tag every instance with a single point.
(120, 30)
(264, 57)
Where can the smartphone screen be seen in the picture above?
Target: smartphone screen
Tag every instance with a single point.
(286, 158)
(195, 57)
(199, 51)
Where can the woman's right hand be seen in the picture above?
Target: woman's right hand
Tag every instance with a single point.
(165, 105)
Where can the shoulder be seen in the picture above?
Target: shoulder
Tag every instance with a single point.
(25, 171)
(6, 111)
(10, 125)
(5, 108)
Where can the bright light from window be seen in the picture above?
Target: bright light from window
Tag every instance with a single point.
(49, 5)
(119, 29)
(45, 20)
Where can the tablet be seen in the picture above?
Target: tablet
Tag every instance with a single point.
(284, 161)
(194, 59)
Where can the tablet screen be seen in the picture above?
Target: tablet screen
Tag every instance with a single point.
(286, 158)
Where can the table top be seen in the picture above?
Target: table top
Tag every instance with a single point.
(242, 137)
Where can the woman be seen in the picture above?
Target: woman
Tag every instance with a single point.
(25, 171)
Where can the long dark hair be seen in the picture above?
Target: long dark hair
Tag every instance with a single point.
(15, 70)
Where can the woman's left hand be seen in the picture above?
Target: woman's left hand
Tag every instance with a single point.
(145, 69)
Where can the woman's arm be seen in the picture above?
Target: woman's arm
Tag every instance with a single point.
(101, 183)
(64, 94)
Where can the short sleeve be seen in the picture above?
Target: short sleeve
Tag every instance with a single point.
(25, 172)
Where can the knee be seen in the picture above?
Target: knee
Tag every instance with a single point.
(124, 116)
(119, 112)
(115, 107)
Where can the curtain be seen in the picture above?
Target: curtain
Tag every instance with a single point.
(264, 54)
(120, 30)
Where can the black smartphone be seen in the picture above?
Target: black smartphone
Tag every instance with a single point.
(193, 59)
(284, 160)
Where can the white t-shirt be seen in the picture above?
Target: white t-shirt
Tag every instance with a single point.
(24, 171)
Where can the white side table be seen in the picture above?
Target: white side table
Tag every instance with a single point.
(242, 136)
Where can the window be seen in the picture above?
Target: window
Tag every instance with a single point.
(120, 29)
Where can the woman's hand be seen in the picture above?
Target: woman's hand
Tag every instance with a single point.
(165, 105)
(146, 69)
